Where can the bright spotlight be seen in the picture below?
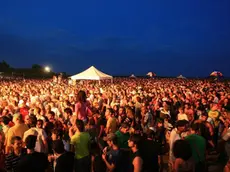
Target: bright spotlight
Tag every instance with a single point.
(47, 69)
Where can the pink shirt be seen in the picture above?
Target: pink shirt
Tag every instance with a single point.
(82, 110)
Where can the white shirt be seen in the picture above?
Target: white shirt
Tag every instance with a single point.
(41, 135)
(174, 136)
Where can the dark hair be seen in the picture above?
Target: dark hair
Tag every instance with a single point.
(58, 132)
(110, 110)
(33, 121)
(40, 121)
(5, 120)
(80, 125)
(68, 111)
(31, 141)
(195, 127)
(150, 134)
(136, 139)
(182, 149)
(181, 123)
(15, 138)
(115, 141)
(52, 113)
(58, 146)
(81, 96)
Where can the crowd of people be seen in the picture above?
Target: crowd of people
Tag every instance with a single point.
(128, 125)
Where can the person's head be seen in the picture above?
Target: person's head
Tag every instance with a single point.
(5, 120)
(33, 121)
(111, 139)
(67, 113)
(160, 123)
(195, 128)
(17, 119)
(56, 134)
(51, 115)
(58, 147)
(134, 141)
(16, 142)
(214, 106)
(204, 116)
(181, 125)
(124, 128)
(150, 134)
(81, 96)
(27, 120)
(31, 142)
(80, 125)
(37, 111)
(40, 123)
(181, 110)
(121, 110)
(182, 149)
(138, 99)
(143, 110)
(108, 113)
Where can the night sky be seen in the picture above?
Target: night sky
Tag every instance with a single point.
(120, 37)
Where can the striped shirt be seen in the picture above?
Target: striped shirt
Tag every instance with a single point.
(12, 161)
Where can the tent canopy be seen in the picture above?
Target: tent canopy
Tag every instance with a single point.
(91, 74)
(132, 76)
(181, 77)
(151, 74)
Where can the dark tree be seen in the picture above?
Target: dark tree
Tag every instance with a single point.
(36, 67)
(4, 66)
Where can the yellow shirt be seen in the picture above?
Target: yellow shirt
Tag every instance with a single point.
(81, 144)
(17, 130)
(215, 117)
(112, 125)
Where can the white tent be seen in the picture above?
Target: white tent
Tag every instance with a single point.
(151, 74)
(132, 76)
(91, 74)
(181, 77)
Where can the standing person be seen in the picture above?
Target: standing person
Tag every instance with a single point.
(41, 143)
(64, 161)
(111, 154)
(82, 107)
(81, 142)
(198, 146)
(136, 160)
(151, 153)
(13, 158)
(17, 130)
(111, 125)
(33, 161)
(147, 118)
(174, 136)
(183, 154)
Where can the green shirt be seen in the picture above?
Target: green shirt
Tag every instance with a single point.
(198, 146)
(81, 144)
(122, 139)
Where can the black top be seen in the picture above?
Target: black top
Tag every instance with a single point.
(65, 162)
(114, 157)
(150, 150)
(133, 156)
(35, 162)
